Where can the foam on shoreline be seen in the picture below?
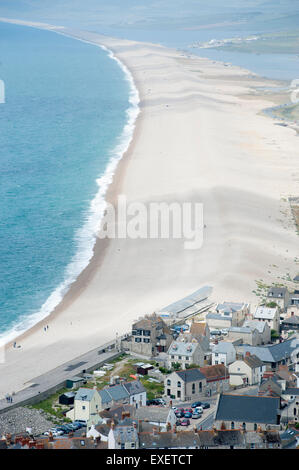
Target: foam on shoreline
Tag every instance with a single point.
(86, 236)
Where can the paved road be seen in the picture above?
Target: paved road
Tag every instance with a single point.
(40, 385)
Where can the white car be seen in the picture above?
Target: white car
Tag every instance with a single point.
(199, 409)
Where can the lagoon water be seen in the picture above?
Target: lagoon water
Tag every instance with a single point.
(62, 130)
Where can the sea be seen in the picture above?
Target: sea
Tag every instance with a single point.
(69, 115)
(67, 119)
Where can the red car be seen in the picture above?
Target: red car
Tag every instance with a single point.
(188, 410)
(185, 422)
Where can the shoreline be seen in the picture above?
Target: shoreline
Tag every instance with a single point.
(97, 252)
(197, 138)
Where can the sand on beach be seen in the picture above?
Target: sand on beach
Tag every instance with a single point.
(198, 138)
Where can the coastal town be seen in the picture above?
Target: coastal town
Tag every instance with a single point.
(195, 375)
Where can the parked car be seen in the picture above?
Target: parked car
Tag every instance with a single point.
(81, 424)
(187, 414)
(196, 415)
(205, 405)
(161, 401)
(178, 423)
(185, 422)
(195, 404)
(179, 414)
(156, 401)
(53, 431)
(199, 409)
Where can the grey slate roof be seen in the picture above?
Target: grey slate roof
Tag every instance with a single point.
(217, 316)
(240, 329)
(106, 398)
(273, 353)
(247, 409)
(182, 349)
(230, 307)
(293, 320)
(223, 347)
(85, 394)
(117, 392)
(291, 391)
(191, 439)
(278, 292)
(134, 387)
(255, 324)
(190, 375)
(156, 414)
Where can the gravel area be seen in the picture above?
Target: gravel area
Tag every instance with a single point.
(18, 419)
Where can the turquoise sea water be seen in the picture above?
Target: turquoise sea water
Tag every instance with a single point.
(63, 127)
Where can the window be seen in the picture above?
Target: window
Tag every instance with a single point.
(193, 388)
(244, 426)
(232, 425)
(200, 386)
(179, 394)
(83, 408)
(180, 357)
(172, 357)
(137, 340)
(179, 384)
(255, 426)
(146, 332)
(168, 382)
(146, 340)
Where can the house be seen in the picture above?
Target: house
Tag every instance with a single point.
(247, 412)
(292, 396)
(218, 321)
(263, 328)
(271, 387)
(203, 341)
(185, 385)
(273, 355)
(124, 435)
(289, 439)
(223, 353)
(217, 377)
(246, 334)
(237, 310)
(185, 353)
(209, 439)
(169, 440)
(290, 323)
(87, 404)
(132, 393)
(200, 330)
(279, 295)
(162, 417)
(248, 371)
(268, 315)
(150, 336)
(262, 439)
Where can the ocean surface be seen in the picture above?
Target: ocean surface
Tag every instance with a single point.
(68, 117)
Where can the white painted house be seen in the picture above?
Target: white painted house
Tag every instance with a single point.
(223, 353)
(87, 405)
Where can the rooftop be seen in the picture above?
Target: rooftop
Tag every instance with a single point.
(248, 409)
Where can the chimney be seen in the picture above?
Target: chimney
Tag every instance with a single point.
(174, 429)
(112, 425)
(247, 354)
(51, 439)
